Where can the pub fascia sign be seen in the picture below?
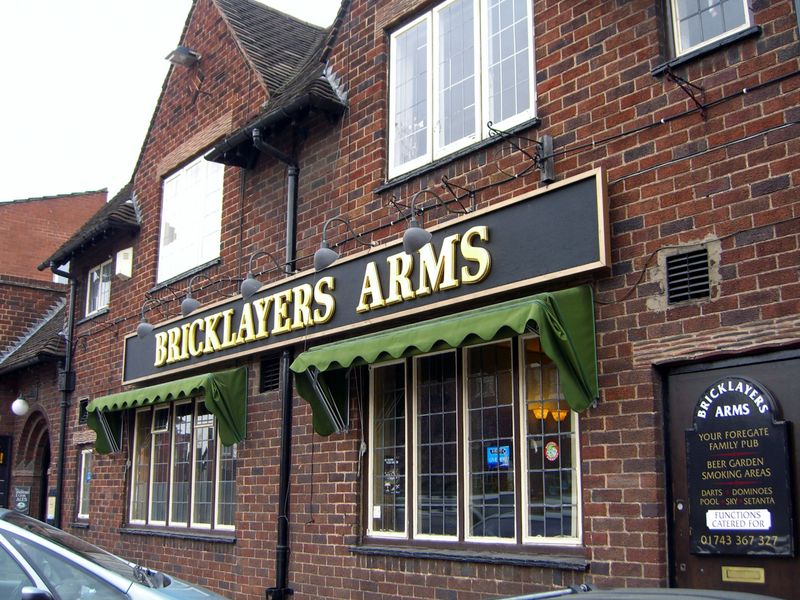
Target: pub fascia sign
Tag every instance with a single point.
(555, 232)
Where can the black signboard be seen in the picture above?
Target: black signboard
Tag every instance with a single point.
(738, 473)
(550, 233)
(22, 499)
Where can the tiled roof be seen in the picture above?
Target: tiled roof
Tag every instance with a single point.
(298, 76)
(42, 344)
(276, 43)
(119, 214)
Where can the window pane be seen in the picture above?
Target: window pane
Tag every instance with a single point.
(437, 496)
(141, 467)
(160, 465)
(226, 485)
(68, 580)
(388, 458)
(699, 22)
(86, 478)
(98, 288)
(204, 448)
(410, 101)
(12, 575)
(551, 471)
(456, 69)
(182, 464)
(491, 441)
(190, 218)
(508, 65)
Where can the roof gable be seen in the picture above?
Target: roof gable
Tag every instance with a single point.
(276, 44)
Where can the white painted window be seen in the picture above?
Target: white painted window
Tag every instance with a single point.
(191, 216)
(697, 23)
(455, 68)
(98, 288)
(182, 476)
(476, 447)
(84, 482)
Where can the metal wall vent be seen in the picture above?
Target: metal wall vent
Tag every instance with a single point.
(687, 276)
(270, 373)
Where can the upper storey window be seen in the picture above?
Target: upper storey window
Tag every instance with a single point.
(700, 22)
(191, 214)
(98, 288)
(455, 68)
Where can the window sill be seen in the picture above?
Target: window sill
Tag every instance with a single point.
(186, 274)
(400, 179)
(94, 315)
(679, 61)
(216, 538)
(566, 563)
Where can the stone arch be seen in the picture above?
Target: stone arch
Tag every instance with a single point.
(33, 461)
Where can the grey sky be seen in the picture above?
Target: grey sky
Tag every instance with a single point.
(80, 82)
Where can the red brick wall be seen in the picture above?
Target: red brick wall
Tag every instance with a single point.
(23, 303)
(34, 229)
(697, 177)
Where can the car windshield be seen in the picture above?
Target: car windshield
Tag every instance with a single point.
(81, 547)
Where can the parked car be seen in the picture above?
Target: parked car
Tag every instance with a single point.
(587, 592)
(40, 562)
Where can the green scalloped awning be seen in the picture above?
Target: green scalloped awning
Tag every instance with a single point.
(225, 396)
(564, 320)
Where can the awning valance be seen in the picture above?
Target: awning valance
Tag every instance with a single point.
(563, 319)
(225, 396)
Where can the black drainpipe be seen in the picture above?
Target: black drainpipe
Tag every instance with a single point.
(282, 589)
(66, 383)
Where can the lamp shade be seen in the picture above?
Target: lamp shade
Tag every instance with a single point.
(143, 329)
(250, 286)
(189, 305)
(20, 407)
(324, 257)
(415, 237)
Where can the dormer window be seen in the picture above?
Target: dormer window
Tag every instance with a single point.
(98, 288)
(454, 69)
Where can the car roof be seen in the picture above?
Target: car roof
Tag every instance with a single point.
(647, 594)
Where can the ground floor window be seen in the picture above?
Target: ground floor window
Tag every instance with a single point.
(182, 476)
(84, 482)
(475, 444)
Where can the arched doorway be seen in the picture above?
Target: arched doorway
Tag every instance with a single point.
(32, 465)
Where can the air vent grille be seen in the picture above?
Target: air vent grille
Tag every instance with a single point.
(270, 373)
(687, 276)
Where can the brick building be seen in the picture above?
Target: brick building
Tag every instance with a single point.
(31, 315)
(518, 308)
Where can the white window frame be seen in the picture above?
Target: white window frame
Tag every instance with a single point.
(575, 540)
(103, 290)
(214, 523)
(481, 86)
(520, 457)
(371, 464)
(467, 475)
(83, 484)
(415, 440)
(676, 32)
(192, 199)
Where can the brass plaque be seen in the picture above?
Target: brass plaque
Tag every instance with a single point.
(743, 574)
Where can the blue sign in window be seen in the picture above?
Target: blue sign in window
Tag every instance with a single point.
(497, 457)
